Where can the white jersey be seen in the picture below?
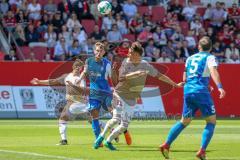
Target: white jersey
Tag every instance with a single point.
(74, 79)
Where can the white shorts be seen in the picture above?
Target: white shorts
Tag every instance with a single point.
(122, 109)
(78, 108)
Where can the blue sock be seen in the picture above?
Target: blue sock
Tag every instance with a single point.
(96, 127)
(207, 135)
(174, 132)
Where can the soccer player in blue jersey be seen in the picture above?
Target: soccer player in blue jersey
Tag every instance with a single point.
(199, 68)
(98, 70)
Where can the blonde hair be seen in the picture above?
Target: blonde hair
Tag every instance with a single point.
(77, 63)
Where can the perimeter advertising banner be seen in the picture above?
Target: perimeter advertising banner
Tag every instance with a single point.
(7, 105)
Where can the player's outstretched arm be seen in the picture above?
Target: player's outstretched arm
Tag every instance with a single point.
(166, 79)
(36, 81)
(216, 78)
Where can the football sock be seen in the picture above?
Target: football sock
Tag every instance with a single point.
(96, 127)
(207, 135)
(108, 126)
(174, 132)
(63, 129)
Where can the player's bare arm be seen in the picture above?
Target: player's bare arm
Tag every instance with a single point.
(36, 81)
(166, 79)
(216, 78)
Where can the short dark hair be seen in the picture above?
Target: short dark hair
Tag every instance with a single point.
(205, 43)
(137, 47)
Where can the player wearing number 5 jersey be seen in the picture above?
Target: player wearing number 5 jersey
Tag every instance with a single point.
(199, 68)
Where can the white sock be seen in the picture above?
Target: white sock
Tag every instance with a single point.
(102, 124)
(63, 129)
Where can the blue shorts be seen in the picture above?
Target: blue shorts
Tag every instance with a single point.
(198, 101)
(104, 102)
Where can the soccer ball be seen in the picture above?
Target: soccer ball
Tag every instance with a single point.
(104, 7)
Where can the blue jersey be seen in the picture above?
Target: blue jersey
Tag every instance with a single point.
(98, 73)
(197, 72)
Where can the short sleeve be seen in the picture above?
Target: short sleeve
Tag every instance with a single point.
(61, 79)
(85, 70)
(152, 71)
(108, 70)
(211, 61)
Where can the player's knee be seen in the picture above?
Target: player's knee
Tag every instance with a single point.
(186, 121)
(211, 119)
(123, 127)
(114, 121)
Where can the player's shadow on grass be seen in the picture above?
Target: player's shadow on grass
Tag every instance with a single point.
(190, 151)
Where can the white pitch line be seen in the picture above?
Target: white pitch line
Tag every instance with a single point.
(38, 155)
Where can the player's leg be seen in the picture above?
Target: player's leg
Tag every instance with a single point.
(62, 124)
(208, 111)
(189, 110)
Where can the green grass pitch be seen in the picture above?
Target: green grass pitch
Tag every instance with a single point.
(36, 139)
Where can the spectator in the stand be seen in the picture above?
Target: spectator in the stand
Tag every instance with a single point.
(211, 34)
(31, 34)
(160, 37)
(185, 50)
(47, 58)
(74, 49)
(191, 39)
(66, 35)
(226, 36)
(73, 22)
(24, 6)
(114, 35)
(179, 57)
(34, 10)
(121, 23)
(234, 11)
(196, 25)
(82, 37)
(88, 48)
(60, 50)
(208, 12)
(223, 6)
(65, 8)
(14, 2)
(32, 57)
(217, 17)
(177, 36)
(237, 41)
(107, 22)
(149, 49)
(50, 37)
(21, 18)
(231, 50)
(129, 9)
(94, 10)
(97, 35)
(11, 56)
(230, 22)
(169, 24)
(50, 7)
(169, 50)
(9, 21)
(147, 20)
(57, 22)
(145, 35)
(135, 25)
(122, 50)
(4, 7)
(164, 58)
(234, 59)
(189, 11)
(44, 23)
(19, 35)
(176, 8)
(116, 8)
(218, 51)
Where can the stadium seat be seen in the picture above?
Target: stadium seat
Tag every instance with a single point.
(130, 37)
(158, 13)
(185, 27)
(40, 52)
(88, 25)
(25, 52)
(196, 2)
(1, 56)
(142, 10)
(201, 10)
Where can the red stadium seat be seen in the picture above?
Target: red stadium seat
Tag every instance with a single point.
(201, 10)
(25, 52)
(196, 2)
(40, 52)
(142, 10)
(185, 27)
(158, 13)
(88, 25)
(130, 37)
(1, 56)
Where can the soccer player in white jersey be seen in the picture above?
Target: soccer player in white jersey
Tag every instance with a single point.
(199, 68)
(76, 101)
(132, 77)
